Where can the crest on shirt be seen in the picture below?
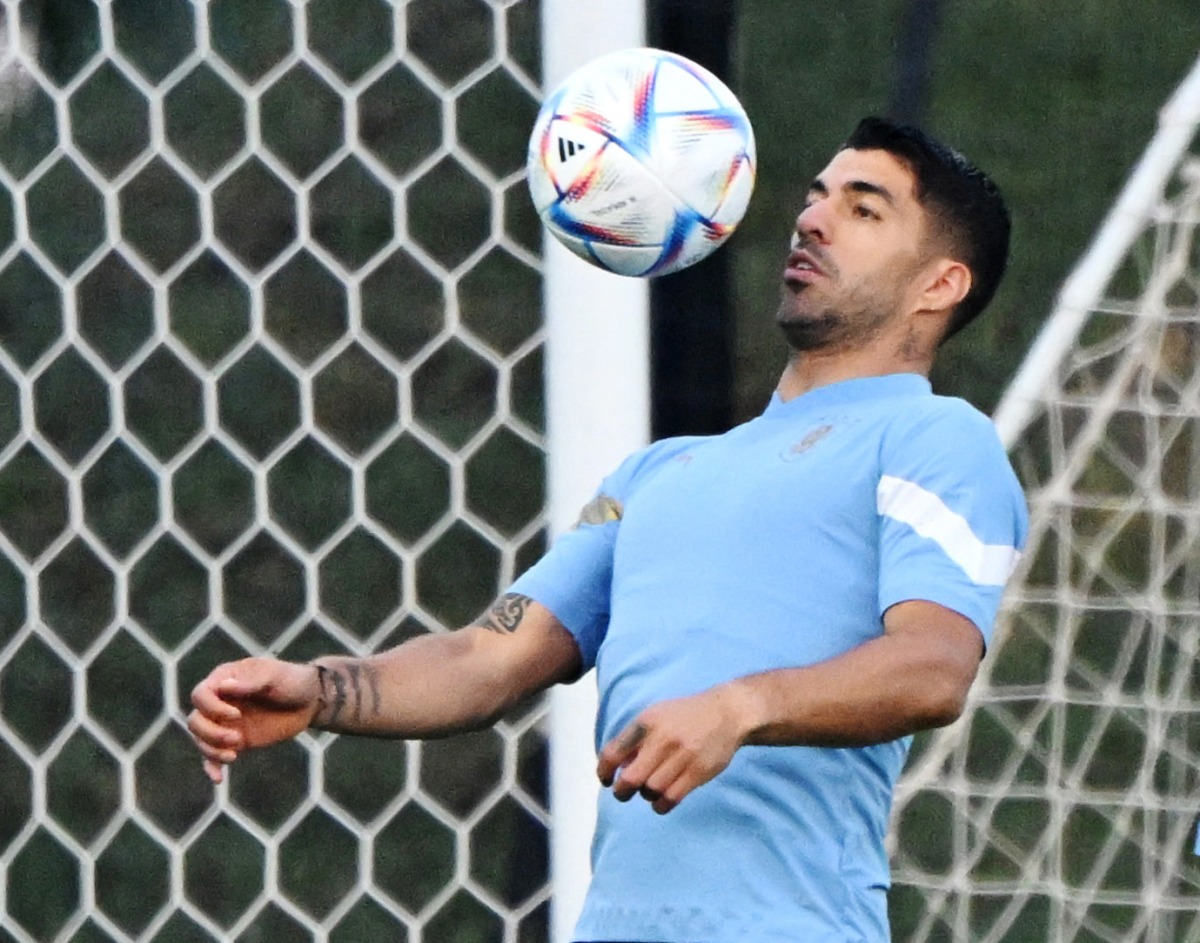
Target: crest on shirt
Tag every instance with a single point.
(810, 439)
(600, 510)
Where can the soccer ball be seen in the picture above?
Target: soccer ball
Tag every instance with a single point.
(641, 162)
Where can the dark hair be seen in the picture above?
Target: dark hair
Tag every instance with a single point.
(965, 207)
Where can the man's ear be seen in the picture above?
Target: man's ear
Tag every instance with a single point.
(946, 283)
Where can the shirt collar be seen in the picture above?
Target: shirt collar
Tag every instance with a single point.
(845, 392)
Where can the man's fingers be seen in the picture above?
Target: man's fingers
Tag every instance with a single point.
(651, 774)
(244, 704)
(205, 730)
(671, 793)
(626, 787)
(214, 771)
(658, 763)
(666, 772)
(214, 742)
(206, 698)
(217, 754)
(618, 751)
(627, 780)
(238, 679)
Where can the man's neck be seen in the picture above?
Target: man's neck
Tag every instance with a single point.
(807, 370)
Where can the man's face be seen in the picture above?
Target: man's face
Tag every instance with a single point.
(855, 253)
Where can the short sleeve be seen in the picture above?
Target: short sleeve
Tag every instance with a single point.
(574, 581)
(952, 517)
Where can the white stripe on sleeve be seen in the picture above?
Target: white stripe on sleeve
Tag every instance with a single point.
(927, 514)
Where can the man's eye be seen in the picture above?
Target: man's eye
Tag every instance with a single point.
(865, 212)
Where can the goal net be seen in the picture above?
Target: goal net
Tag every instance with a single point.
(1064, 809)
(270, 380)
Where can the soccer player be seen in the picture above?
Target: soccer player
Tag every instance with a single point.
(772, 612)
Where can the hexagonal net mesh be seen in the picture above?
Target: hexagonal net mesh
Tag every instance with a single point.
(270, 380)
(1065, 810)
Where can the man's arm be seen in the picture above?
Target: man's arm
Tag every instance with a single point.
(430, 686)
(913, 677)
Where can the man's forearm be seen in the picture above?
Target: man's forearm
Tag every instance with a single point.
(430, 686)
(889, 687)
(448, 682)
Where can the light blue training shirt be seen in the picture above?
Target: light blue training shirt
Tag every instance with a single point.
(780, 543)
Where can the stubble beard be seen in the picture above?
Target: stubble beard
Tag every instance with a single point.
(811, 332)
(829, 327)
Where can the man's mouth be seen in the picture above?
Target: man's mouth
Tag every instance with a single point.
(802, 267)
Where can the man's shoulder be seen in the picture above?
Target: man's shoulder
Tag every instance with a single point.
(653, 456)
(935, 415)
(946, 433)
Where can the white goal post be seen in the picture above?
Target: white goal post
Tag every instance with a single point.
(598, 412)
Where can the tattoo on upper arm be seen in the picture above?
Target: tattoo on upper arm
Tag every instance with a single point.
(601, 510)
(349, 694)
(506, 614)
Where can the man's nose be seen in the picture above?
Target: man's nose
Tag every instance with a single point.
(812, 225)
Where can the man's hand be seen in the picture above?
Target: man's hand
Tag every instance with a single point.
(673, 747)
(250, 703)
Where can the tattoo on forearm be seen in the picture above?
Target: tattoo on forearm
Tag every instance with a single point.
(349, 694)
(506, 614)
(356, 687)
(333, 696)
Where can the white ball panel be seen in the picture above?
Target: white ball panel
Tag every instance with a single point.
(680, 87)
(622, 202)
(627, 260)
(620, 260)
(696, 159)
